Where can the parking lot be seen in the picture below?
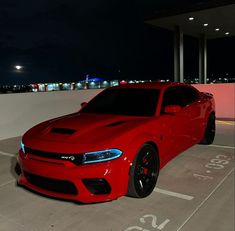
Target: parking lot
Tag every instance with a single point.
(195, 192)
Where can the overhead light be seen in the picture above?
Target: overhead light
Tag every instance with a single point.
(217, 29)
(227, 33)
(191, 18)
(205, 24)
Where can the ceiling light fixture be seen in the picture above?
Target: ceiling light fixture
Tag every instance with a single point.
(191, 18)
(205, 24)
(227, 33)
(217, 29)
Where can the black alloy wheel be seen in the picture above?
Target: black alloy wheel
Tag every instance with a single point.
(144, 172)
(209, 135)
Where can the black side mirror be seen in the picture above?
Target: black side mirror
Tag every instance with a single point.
(172, 109)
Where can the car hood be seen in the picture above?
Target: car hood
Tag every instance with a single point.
(86, 128)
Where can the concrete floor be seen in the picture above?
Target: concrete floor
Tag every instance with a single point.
(191, 195)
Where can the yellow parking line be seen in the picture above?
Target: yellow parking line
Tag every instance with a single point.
(225, 122)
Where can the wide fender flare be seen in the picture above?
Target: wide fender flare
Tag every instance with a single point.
(134, 146)
(210, 110)
(137, 142)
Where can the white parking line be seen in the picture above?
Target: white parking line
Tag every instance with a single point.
(221, 146)
(6, 183)
(174, 194)
(7, 154)
(204, 201)
(10, 220)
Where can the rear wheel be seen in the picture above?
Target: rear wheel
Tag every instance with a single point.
(144, 172)
(210, 131)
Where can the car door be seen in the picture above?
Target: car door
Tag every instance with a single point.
(175, 126)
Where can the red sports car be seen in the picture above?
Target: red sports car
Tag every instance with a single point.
(116, 144)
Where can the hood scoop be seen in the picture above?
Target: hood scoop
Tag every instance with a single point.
(115, 124)
(65, 131)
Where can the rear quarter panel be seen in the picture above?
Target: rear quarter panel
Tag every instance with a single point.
(208, 106)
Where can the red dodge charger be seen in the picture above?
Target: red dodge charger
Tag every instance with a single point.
(116, 144)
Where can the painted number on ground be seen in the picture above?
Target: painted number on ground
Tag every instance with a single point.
(217, 163)
(151, 220)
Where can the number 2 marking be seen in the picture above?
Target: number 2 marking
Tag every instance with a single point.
(135, 228)
(153, 220)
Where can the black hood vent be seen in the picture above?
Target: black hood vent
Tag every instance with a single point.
(115, 124)
(66, 131)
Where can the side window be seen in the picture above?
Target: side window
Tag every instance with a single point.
(190, 95)
(173, 96)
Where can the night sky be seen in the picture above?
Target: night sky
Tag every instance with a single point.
(63, 40)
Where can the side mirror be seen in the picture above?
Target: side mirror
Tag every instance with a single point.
(83, 104)
(172, 109)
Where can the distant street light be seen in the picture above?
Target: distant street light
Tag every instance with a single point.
(18, 67)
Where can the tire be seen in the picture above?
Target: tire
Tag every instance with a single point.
(209, 134)
(144, 172)
(17, 169)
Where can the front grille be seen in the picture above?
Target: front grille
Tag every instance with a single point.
(75, 158)
(60, 186)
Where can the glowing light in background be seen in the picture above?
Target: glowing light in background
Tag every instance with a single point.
(18, 67)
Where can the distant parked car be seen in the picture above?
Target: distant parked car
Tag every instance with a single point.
(117, 143)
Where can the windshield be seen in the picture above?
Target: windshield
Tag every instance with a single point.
(124, 101)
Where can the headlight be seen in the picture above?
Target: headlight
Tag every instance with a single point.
(101, 156)
(22, 147)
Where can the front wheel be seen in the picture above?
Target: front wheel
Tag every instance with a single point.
(144, 172)
(209, 134)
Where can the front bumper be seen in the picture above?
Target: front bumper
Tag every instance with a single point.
(63, 179)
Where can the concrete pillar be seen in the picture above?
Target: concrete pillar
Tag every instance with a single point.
(178, 55)
(202, 59)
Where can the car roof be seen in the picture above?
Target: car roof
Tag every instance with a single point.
(151, 85)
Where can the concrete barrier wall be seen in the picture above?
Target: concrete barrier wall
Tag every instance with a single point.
(19, 112)
(224, 95)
